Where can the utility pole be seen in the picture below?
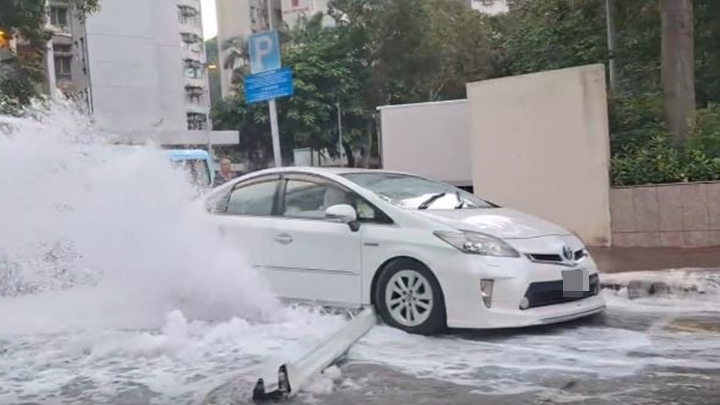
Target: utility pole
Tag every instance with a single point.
(208, 102)
(610, 19)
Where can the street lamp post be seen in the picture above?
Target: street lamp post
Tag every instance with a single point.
(208, 127)
(340, 134)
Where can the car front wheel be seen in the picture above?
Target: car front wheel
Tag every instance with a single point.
(409, 297)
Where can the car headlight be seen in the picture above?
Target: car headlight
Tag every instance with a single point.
(477, 243)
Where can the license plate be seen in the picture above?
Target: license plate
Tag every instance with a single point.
(576, 283)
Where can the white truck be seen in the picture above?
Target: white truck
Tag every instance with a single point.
(430, 139)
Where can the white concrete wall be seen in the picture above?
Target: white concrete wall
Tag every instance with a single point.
(135, 62)
(430, 139)
(540, 144)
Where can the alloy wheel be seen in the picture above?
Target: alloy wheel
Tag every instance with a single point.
(409, 298)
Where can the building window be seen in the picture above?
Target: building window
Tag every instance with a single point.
(63, 67)
(59, 16)
(196, 121)
(193, 73)
(193, 69)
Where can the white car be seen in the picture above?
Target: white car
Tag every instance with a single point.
(426, 254)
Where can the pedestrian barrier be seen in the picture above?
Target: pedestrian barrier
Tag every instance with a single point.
(275, 384)
(292, 377)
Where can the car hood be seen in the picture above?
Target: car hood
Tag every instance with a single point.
(502, 223)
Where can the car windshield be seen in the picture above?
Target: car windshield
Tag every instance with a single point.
(197, 169)
(416, 192)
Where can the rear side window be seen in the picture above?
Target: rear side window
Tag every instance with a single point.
(253, 200)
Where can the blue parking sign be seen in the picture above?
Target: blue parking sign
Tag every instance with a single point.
(264, 50)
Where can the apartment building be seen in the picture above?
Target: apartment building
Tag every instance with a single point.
(135, 65)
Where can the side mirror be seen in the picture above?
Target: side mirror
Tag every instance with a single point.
(342, 212)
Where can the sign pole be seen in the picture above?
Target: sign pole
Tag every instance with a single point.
(268, 79)
(274, 130)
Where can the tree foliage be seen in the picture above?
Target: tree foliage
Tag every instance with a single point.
(378, 52)
(383, 52)
(550, 34)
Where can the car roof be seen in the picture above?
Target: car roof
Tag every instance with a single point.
(321, 170)
(173, 154)
(180, 154)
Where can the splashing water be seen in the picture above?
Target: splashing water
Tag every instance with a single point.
(112, 280)
(119, 227)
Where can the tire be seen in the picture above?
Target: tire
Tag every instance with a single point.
(393, 302)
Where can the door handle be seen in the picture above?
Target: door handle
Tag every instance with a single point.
(283, 238)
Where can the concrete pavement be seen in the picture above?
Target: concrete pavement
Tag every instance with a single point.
(617, 260)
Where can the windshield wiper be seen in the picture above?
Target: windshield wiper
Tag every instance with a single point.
(431, 200)
(461, 202)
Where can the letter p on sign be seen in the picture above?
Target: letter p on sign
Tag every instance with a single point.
(264, 52)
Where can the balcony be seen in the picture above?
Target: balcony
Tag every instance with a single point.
(189, 3)
(193, 51)
(194, 93)
(62, 49)
(190, 38)
(190, 20)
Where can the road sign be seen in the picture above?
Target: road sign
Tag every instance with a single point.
(264, 50)
(268, 85)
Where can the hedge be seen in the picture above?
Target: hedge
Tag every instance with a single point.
(643, 151)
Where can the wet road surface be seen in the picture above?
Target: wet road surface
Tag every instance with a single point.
(676, 360)
(646, 351)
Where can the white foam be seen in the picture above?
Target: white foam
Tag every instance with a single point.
(700, 280)
(516, 362)
(675, 303)
(323, 383)
(113, 278)
(183, 358)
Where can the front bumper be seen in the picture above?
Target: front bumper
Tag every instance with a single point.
(513, 280)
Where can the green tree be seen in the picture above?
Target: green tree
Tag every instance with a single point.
(418, 50)
(549, 34)
(327, 78)
(324, 74)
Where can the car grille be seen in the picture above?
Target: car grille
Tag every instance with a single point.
(555, 258)
(546, 293)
